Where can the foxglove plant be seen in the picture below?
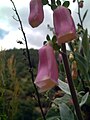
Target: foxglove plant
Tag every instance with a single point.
(47, 76)
(36, 14)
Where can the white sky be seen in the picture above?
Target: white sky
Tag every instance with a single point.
(11, 33)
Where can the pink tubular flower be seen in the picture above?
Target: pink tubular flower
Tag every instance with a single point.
(36, 14)
(64, 25)
(47, 76)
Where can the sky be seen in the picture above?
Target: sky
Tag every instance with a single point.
(9, 28)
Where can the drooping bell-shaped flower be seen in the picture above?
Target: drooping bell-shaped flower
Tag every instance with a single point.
(36, 14)
(64, 25)
(47, 76)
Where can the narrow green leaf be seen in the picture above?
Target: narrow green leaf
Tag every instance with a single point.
(54, 39)
(56, 47)
(48, 37)
(53, 6)
(65, 112)
(54, 118)
(52, 113)
(84, 16)
(82, 65)
(64, 87)
(66, 4)
(65, 99)
(84, 99)
(58, 2)
(45, 2)
(85, 44)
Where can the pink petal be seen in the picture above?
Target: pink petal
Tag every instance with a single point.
(36, 15)
(47, 76)
(64, 25)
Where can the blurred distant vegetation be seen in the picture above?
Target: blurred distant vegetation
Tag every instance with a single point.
(17, 96)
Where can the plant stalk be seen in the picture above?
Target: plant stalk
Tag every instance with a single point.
(70, 82)
(29, 60)
(79, 15)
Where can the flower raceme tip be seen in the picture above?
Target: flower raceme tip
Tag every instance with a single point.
(47, 76)
(36, 14)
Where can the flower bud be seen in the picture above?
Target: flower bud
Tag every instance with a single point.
(71, 56)
(74, 74)
(74, 65)
(81, 4)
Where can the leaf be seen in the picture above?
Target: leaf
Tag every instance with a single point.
(45, 2)
(58, 2)
(52, 114)
(48, 37)
(65, 99)
(84, 99)
(53, 6)
(65, 112)
(84, 16)
(85, 44)
(54, 39)
(64, 87)
(56, 47)
(66, 4)
(54, 118)
(82, 64)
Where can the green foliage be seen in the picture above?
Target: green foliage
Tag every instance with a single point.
(84, 16)
(48, 38)
(84, 99)
(58, 2)
(64, 87)
(53, 114)
(65, 112)
(16, 86)
(66, 4)
(65, 99)
(45, 2)
(53, 6)
(82, 65)
(85, 44)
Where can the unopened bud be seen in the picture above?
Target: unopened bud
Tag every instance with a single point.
(74, 74)
(71, 57)
(74, 65)
(81, 4)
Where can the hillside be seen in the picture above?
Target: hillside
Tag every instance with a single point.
(17, 93)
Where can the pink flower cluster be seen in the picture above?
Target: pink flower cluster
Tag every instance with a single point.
(47, 76)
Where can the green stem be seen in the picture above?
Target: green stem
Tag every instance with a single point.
(52, 1)
(79, 14)
(70, 82)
